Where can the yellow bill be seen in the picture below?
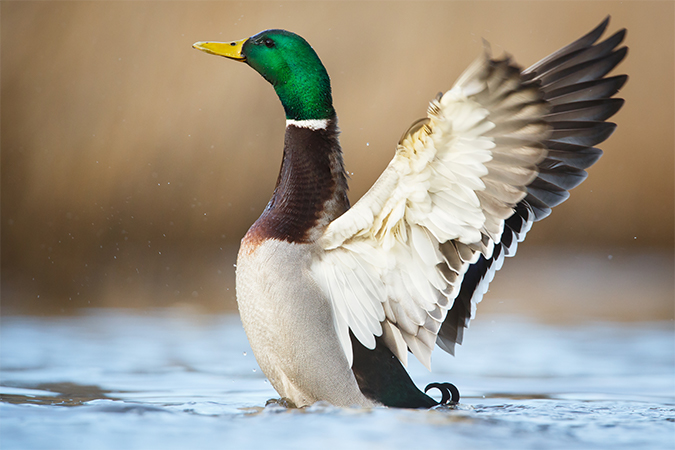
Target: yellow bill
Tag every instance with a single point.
(230, 50)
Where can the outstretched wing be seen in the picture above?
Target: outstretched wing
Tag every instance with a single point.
(494, 154)
(572, 81)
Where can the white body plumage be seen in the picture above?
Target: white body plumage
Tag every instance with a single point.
(289, 324)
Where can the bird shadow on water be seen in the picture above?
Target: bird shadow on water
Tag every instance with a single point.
(52, 394)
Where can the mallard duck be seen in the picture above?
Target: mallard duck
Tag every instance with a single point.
(333, 298)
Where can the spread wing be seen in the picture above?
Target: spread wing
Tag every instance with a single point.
(412, 258)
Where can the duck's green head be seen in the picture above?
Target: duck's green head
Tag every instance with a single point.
(290, 64)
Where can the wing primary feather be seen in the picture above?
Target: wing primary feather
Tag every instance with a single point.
(589, 110)
(584, 41)
(586, 71)
(581, 158)
(595, 52)
(589, 90)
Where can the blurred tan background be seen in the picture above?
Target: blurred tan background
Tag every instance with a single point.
(133, 164)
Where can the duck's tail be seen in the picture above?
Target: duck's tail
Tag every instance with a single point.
(383, 379)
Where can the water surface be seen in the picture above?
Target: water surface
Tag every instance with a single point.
(112, 379)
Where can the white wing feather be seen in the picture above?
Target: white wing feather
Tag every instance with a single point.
(393, 264)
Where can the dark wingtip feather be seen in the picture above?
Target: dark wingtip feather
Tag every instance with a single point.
(550, 194)
(539, 208)
(586, 71)
(589, 90)
(585, 41)
(585, 134)
(599, 51)
(563, 176)
(579, 158)
(588, 110)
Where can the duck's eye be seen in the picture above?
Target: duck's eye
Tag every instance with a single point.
(269, 43)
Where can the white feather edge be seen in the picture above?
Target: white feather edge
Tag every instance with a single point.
(507, 252)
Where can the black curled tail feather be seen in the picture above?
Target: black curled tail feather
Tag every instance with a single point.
(449, 392)
(382, 378)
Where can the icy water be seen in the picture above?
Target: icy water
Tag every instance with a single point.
(167, 379)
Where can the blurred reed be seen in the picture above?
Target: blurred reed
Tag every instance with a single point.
(132, 164)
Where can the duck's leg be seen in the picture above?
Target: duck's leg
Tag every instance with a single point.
(382, 378)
